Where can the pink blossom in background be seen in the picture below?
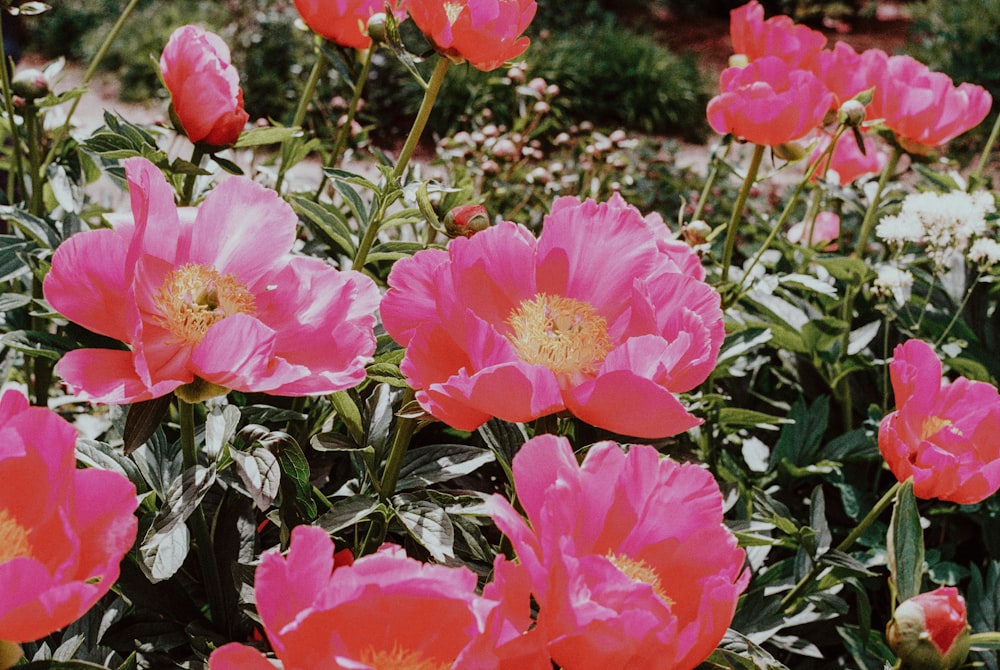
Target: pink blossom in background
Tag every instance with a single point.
(486, 33)
(208, 299)
(924, 108)
(629, 560)
(344, 22)
(945, 435)
(797, 45)
(384, 611)
(204, 86)
(826, 228)
(847, 73)
(768, 103)
(847, 161)
(63, 531)
(596, 316)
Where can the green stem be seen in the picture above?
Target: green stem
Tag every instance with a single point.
(400, 443)
(741, 201)
(204, 546)
(869, 221)
(304, 100)
(984, 158)
(63, 131)
(33, 140)
(713, 174)
(958, 312)
(845, 544)
(188, 194)
(991, 640)
(16, 182)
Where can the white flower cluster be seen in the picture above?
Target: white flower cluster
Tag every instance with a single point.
(893, 282)
(944, 222)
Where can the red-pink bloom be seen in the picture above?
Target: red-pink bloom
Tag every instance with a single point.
(63, 531)
(846, 72)
(595, 316)
(208, 299)
(768, 103)
(384, 611)
(342, 21)
(204, 87)
(931, 630)
(778, 36)
(826, 228)
(946, 436)
(925, 108)
(486, 33)
(847, 163)
(630, 563)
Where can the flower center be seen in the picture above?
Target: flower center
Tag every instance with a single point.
(194, 297)
(640, 571)
(452, 10)
(13, 538)
(400, 659)
(932, 425)
(565, 335)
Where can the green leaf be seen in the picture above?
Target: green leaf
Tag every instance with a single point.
(347, 512)
(854, 271)
(349, 413)
(37, 343)
(167, 542)
(328, 221)
(142, 420)
(906, 544)
(428, 524)
(38, 229)
(94, 454)
(439, 463)
(737, 417)
(259, 471)
(258, 137)
(297, 504)
(799, 441)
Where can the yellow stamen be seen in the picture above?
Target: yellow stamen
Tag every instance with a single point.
(452, 11)
(13, 538)
(640, 571)
(194, 297)
(563, 334)
(400, 659)
(933, 424)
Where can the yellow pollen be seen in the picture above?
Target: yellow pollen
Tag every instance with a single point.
(193, 297)
(933, 424)
(452, 10)
(400, 659)
(565, 335)
(13, 538)
(640, 571)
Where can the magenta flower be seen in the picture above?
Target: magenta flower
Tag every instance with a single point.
(208, 300)
(344, 22)
(63, 531)
(847, 164)
(204, 86)
(924, 108)
(768, 103)
(825, 229)
(384, 611)
(486, 34)
(595, 317)
(946, 436)
(622, 580)
(797, 45)
(846, 72)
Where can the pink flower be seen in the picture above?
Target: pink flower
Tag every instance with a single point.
(797, 45)
(846, 72)
(847, 162)
(826, 228)
(342, 21)
(204, 87)
(946, 436)
(208, 299)
(384, 611)
(925, 108)
(63, 531)
(595, 316)
(622, 580)
(931, 630)
(486, 33)
(767, 103)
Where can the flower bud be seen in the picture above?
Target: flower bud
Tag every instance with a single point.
(789, 151)
(376, 27)
(10, 654)
(930, 631)
(851, 113)
(30, 84)
(696, 232)
(466, 220)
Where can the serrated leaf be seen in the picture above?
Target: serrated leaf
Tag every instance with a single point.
(439, 463)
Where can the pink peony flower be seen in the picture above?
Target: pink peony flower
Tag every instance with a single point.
(797, 45)
(486, 33)
(931, 630)
(826, 228)
(319, 616)
(846, 72)
(208, 299)
(946, 436)
(595, 316)
(621, 579)
(847, 162)
(924, 108)
(63, 531)
(767, 103)
(204, 87)
(342, 21)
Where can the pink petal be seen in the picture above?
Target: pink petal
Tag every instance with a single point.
(157, 227)
(415, 286)
(625, 403)
(238, 353)
(108, 375)
(236, 656)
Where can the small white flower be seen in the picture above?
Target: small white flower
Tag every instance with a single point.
(985, 251)
(893, 282)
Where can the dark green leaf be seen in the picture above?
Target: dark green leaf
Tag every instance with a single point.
(439, 463)
(258, 137)
(142, 420)
(167, 542)
(347, 512)
(906, 544)
(428, 524)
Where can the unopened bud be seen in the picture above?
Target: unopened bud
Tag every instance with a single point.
(696, 232)
(789, 151)
(930, 631)
(376, 27)
(30, 84)
(851, 113)
(466, 220)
